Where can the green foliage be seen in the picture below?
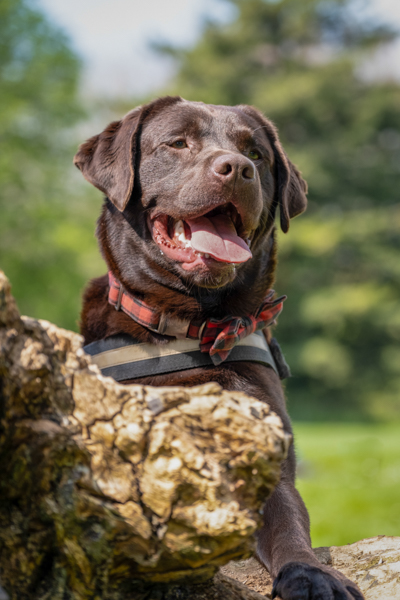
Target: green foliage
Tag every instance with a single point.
(300, 63)
(46, 238)
(341, 328)
(349, 477)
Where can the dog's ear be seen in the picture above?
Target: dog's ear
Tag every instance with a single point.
(107, 160)
(290, 187)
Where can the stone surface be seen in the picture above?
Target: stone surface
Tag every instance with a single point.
(109, 491)
(250, 573)
(374, 564)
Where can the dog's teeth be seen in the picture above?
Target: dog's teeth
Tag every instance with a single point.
(179, 234)
(206, 256)
(184, 241)
(179, 228)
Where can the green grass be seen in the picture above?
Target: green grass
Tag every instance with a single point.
(349, 477)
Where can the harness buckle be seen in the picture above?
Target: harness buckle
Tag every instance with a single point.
(174, 327)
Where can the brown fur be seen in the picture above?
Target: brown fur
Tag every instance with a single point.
(135, 165)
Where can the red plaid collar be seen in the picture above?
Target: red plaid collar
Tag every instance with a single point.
(217, 336)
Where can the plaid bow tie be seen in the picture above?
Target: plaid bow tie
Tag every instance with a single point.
(220, 336)
(217, 336)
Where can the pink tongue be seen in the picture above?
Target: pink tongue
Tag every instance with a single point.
(217, 236)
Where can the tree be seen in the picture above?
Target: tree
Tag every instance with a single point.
(46, 240)
(302, 64)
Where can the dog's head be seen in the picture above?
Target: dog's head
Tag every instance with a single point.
(194, 188)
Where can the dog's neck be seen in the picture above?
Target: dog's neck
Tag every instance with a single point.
(160, 288)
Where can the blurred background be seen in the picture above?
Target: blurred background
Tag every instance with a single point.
(327, 72)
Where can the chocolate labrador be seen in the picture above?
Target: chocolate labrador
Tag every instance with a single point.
(187, 232)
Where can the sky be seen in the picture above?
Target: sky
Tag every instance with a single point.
(113, 38)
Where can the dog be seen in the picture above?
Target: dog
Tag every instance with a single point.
(188, 234)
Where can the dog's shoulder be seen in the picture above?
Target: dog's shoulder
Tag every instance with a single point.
(95, 310)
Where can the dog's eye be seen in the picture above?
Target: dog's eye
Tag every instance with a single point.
(254, 155)
(179, 144)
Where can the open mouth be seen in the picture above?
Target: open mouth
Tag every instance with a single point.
(215, 236)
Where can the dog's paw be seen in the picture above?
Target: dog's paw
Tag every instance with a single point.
(299, 581)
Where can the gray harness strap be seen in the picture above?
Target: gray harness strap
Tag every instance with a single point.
(122, 357)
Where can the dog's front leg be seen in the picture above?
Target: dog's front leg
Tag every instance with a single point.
(284, 547)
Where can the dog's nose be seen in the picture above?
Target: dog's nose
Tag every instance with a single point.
(232, 167)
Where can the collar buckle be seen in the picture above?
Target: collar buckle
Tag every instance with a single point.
(119, 299)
